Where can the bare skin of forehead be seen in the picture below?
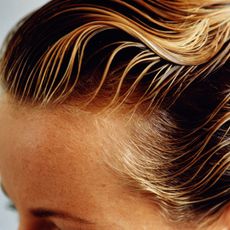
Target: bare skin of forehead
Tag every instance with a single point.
(53, 145)
(69, 143)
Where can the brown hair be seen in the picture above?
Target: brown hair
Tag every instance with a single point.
(167, 61)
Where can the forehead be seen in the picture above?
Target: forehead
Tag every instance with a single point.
(49, 149)
(40, 134)
(52, 159)
(50, 125)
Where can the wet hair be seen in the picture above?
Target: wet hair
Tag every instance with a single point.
(168, 62)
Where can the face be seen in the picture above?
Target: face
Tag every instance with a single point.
(52, 169)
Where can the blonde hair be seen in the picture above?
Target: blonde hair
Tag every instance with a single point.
(167, 61)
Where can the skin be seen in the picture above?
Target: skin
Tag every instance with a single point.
(53, 160)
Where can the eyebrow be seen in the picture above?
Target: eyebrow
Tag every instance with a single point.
(48, 213)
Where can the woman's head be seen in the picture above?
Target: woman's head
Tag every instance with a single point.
(122, 109)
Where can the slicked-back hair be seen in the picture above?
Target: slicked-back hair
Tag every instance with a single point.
(167, 61)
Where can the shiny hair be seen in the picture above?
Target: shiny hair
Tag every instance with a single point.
(168, 62)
